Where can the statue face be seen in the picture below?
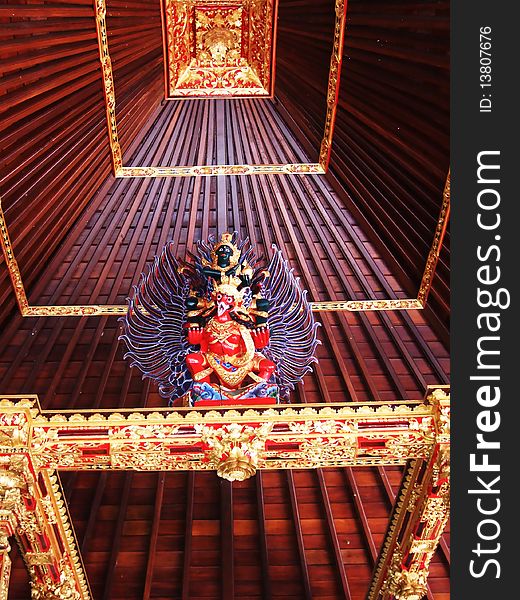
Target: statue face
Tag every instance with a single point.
(224, 303)
(223, 255)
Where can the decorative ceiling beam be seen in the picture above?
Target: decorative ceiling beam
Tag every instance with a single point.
(333, 534)
(6, 531)
(154, 534)
(264, 552)
(355, 434)
(117, 535)
(227, 550)
(361, 514)
(32, 509)
(235, 442)
(418, 520)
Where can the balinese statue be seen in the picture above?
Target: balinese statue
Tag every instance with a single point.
(218, 329)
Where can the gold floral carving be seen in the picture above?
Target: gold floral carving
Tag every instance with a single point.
(404, 584)
(368, 305)
(64, 589)
(425, 496)
(218, 49)
(215, 170)
(325, 450)
(5, 563)
(31, 504)
(235, 449)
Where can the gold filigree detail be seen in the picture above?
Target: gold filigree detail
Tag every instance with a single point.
(235, 449)
(214, 170)
(65, 589)
(433, 256)
(368, 305)
(218, 49)
(5, 564)
(319, 450)
(423, 546)
(39, 558)
(235, 443)
(238, 465)
(333, 83)
(404, 584)
(108, 85)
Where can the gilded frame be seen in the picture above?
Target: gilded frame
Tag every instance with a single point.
(167, 54)
(320, 167)
(34, 444)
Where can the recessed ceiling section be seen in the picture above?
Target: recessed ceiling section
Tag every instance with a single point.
(219, 48)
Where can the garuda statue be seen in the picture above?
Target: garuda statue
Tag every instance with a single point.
(217, 328)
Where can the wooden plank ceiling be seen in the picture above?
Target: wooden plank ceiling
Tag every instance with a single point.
(82, 237)
(390, 153)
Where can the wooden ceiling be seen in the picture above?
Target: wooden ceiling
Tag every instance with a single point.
(83, 237)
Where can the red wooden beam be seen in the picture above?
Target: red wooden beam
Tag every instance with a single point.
(299, 535)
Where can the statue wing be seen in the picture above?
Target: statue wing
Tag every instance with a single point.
(153, 326)
(293, 331)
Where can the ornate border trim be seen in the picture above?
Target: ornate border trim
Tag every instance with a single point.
(34, 512)
(108, 85)
(212, 170)
(96, 310)
(215, 170)
(438, 238)
(235, 442)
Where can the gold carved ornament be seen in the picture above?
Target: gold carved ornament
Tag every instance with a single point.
(235, 443)
(120, 170)
(403, 584)
(234, 449)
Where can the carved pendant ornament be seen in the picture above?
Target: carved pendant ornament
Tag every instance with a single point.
(220, 327)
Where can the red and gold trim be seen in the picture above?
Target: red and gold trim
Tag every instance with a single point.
(218, 48)
(438, 238)
(234, 443)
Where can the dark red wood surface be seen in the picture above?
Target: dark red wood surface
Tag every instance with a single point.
(312, 534)
(390, 152)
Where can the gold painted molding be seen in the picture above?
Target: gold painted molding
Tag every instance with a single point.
(419, 517)
(250, 23)
(438, 238)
